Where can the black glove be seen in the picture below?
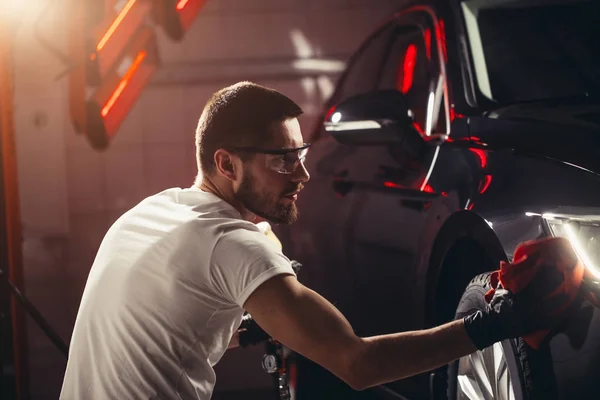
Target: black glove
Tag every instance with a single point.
(250, 333)
(510, 315)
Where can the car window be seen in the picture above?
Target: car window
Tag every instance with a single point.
(534, 50)
(364, 72)
(412, 67)
(401, 55)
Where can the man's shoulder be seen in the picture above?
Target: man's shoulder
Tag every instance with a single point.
(240, 231)
(192, 203)
(246, 237)
(225, 227)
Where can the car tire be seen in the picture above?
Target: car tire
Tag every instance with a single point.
(529, 372)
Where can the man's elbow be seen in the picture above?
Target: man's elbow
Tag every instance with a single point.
(358, 378)
(356, 372)
(356, 381)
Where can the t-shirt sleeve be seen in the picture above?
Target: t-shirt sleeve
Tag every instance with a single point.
(242, 260)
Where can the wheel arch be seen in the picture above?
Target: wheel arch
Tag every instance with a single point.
(465, 246)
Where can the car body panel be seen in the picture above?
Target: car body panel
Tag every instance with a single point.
(378, 223)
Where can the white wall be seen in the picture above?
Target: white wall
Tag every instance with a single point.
(70, 194)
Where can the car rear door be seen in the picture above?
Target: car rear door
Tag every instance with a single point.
(365, 208)
(390, 194)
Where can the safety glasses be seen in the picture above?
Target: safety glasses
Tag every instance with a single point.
(282, 161)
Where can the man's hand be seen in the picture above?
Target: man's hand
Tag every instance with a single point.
(512, 315)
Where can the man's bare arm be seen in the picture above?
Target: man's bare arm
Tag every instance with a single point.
(307, 323)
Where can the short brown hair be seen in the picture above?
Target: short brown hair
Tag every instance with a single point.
(239, 115)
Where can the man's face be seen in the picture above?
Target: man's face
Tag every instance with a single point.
(264, 191)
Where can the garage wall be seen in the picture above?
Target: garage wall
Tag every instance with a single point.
(70, 194)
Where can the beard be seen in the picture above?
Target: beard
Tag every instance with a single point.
(265, 205)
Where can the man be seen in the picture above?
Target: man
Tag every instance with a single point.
(174, 275)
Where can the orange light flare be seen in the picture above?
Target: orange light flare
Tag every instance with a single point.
(124, 82)
(181, 5)
(115, 25)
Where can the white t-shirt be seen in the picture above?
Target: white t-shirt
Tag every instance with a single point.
(164, 297)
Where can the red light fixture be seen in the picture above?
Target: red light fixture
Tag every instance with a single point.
(109, 37)
(176, 16)
(181, 5)
(124, 82)
(114, 98)
(116, 55)
(113, 27)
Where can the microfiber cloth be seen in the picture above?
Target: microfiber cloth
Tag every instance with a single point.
(529, 258)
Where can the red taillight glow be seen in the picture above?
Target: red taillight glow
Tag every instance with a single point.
(115, 25)
(181, 5)
(123, 84)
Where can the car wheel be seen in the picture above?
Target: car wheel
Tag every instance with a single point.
(507, 370)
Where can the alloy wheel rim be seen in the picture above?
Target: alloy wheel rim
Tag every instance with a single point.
(485, 375)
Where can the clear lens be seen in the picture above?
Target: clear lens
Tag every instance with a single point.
(286, 163)
(584, 237)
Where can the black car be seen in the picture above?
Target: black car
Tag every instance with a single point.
(459, 130)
